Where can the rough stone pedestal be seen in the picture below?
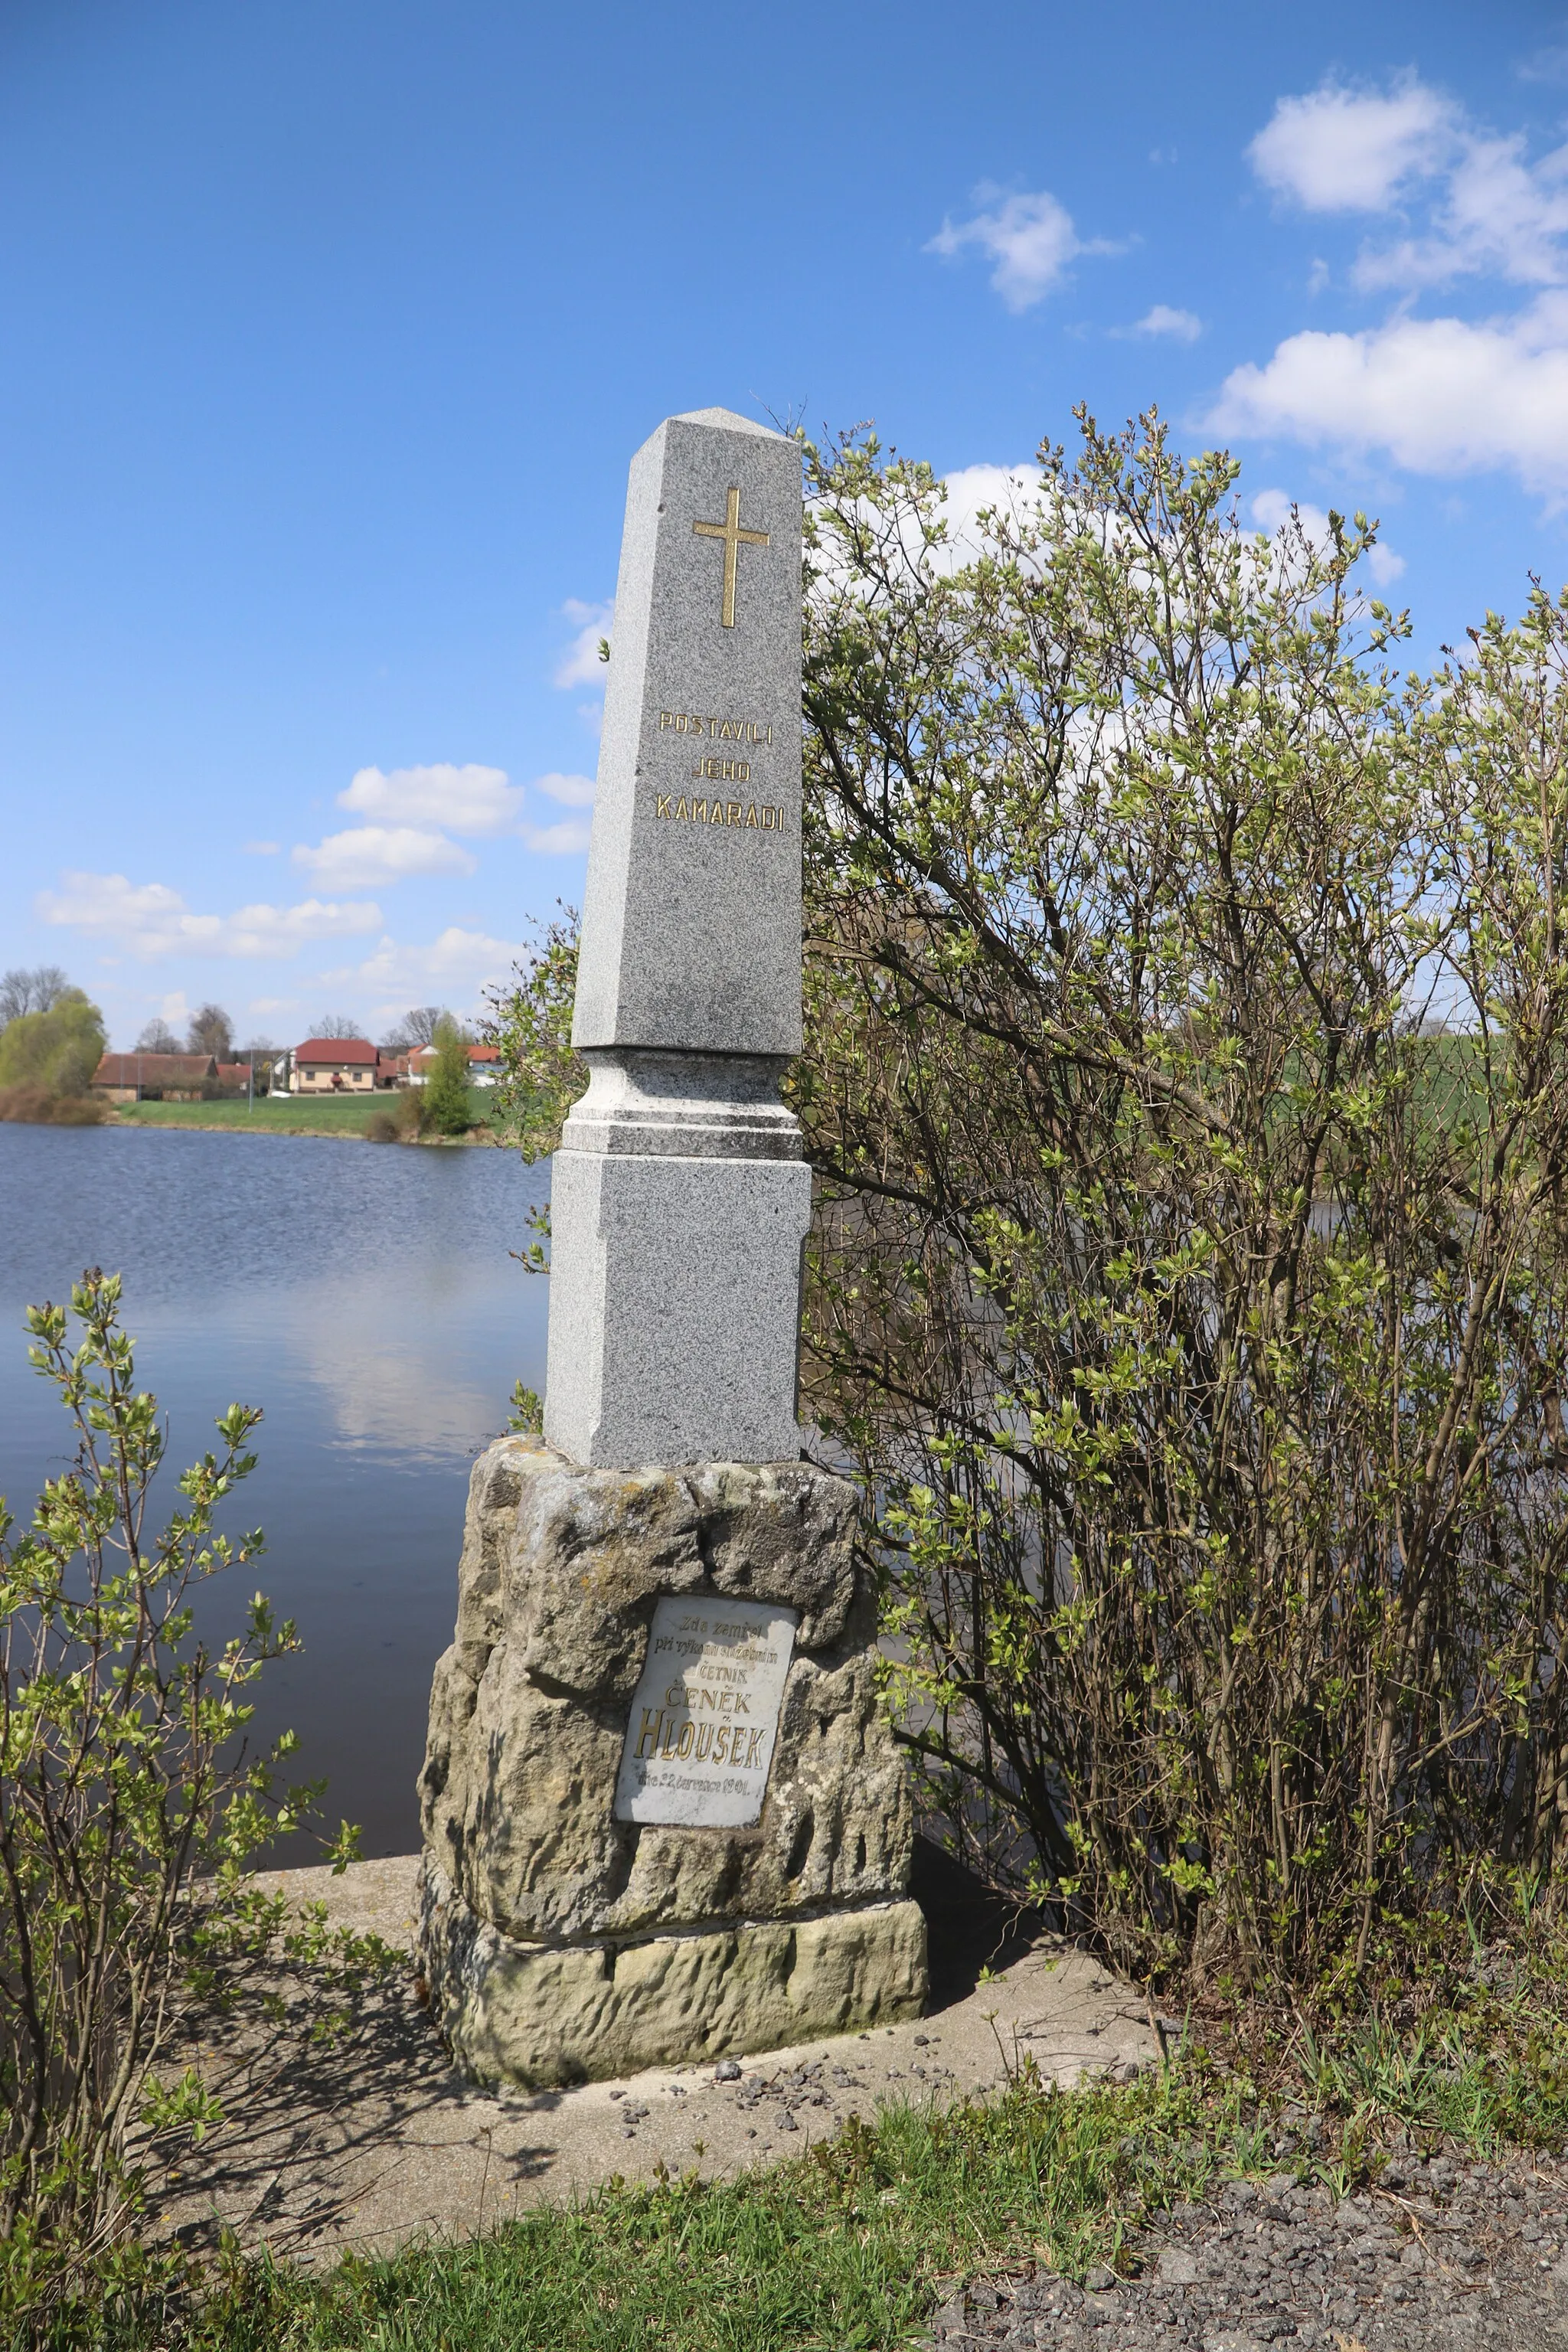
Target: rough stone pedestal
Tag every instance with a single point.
(562, 1944)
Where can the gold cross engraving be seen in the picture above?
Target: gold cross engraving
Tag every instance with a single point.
(734, 539)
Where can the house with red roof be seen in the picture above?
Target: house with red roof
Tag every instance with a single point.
(334, 1066)
(154, 1077)
(345, 1065)
(484, 1064)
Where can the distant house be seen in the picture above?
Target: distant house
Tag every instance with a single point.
(484, 1066)
(154, 1077)
(235, 1077)
(334, 1066)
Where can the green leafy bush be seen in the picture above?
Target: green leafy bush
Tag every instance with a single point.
(445, 1106)
(56, 1050)
(1188, 1083)
(128, 1807)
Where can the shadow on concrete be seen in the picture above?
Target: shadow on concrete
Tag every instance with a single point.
(969, 1927)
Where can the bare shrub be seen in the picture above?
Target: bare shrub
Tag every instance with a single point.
(410, 1113)
(35, 1106)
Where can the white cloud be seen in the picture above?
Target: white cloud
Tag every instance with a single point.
(262, 848)
(1439, 395)
(1487, 207)
(1185, 325)
(967, 493)
(471, 798)
(1497, 214)
(579, 664)
(455, 968)
(1272, 510)
(1341, 150)
(565, 838)
(573, 791)
(970, 489)
(368, 855)
(150, 919)
(1031, 239)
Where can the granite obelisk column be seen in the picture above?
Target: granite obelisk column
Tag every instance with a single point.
(678, 1201)
(663, 1816)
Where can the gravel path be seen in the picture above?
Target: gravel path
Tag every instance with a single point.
(1440, 2255)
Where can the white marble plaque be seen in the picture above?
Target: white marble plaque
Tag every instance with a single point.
(701, 1737)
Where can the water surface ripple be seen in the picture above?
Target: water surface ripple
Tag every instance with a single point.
(363, 1296)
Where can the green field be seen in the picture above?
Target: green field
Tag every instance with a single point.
(283, 1114)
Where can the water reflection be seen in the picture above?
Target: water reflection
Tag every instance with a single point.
(394, 1368)
(363, 1296)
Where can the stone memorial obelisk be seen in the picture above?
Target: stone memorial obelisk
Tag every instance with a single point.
(664, 1819)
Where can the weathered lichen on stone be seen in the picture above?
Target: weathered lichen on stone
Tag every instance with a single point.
(560, 1573)
(548, 2015)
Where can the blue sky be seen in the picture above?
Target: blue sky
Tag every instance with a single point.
(329, 327)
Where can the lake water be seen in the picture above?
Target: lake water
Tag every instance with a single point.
(363, 1296)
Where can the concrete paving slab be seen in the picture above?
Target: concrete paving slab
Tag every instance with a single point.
(373, 2138)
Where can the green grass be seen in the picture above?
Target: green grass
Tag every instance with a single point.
(1458, 2040)
(284, 1113)
(850, 2248)
(843, 2250)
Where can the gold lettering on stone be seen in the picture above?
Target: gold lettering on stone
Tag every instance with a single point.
(751, 816)
(754, 731)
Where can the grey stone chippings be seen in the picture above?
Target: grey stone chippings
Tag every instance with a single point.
(1440, 2256)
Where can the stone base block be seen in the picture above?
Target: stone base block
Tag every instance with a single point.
(674, 1308)
(545, 2016)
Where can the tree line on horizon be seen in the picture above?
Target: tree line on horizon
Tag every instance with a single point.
(52, 1038)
